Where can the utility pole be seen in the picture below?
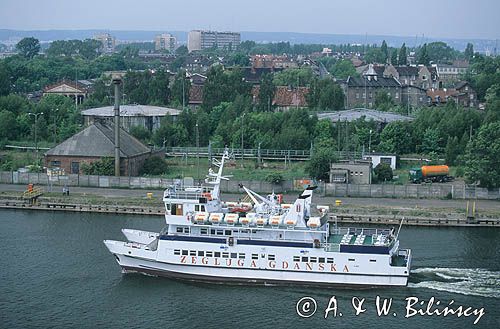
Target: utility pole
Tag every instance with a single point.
(117, 82)
(183, 92)
(197, 153)
(242, 127)
(55, 132)
(36, 138)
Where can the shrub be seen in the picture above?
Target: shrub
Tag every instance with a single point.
(274, 178)
(383, 172)
(154, 165)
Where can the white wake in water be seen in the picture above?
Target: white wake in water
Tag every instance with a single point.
(475, 282)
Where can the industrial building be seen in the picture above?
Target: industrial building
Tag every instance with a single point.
(351, 172)
(146, 116)
(200, 39)
(94, 143)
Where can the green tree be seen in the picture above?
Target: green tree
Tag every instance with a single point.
(182, 50)
(325, 94)
(294, 77)
(394, 57)
(343, 69)
(397, 138)
(482, 156)
(384, 51)
(469, 51)
(319, 165)
(431, 141)
(440, 52)
(383, 101)
(154, 165)
(28, 47)
(266, 93)
(452, 151)
(423, 56)
(141, 133)
(4, 80)
(8, 125)
(180, 88)
(402, 55)
(383, 172)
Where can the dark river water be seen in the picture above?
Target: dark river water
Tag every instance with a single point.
(55, 272)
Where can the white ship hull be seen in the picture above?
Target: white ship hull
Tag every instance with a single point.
(138, 236)
(136, 258)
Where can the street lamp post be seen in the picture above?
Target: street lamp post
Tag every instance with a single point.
(370, 142)
(36, 140)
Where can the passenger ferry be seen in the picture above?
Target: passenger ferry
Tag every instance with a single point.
(271, 244)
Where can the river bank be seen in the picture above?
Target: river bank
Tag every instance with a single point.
(351, 210)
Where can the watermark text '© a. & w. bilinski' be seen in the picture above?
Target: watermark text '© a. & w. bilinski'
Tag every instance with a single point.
(307, 307)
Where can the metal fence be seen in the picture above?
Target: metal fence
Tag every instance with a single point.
(264, 154)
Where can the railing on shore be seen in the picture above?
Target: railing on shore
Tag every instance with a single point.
(263, 154)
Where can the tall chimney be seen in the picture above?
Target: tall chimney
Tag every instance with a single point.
(117, 80)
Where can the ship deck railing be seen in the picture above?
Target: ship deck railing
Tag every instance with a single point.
(251, 233)
(184, 192)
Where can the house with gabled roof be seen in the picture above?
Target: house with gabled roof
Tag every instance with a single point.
(77, 91)
(95, 143)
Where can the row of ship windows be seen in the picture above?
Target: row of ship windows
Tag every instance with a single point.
(234, 255)
(306, 259)
(202, 253)
(204, 231)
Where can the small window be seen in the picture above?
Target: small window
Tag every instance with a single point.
(234, 255)
(304, 259)
(373, 260)
(241, 256)
(225, 255)
(177, 252)
(296, 258)
(201, 253)
(352, 260)
(321, 260)
(192, 253)
(329, 260)
(220, 232)
(217, 254)
(180, 230)
(186, 230)
(202, 208)
(212, 231)
(271, 257)
(185, 252)
(204, 231)
(255, 256)
(313, 259)
(196, 207)
(209, 254)
(227, 232)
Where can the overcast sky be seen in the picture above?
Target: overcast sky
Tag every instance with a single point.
(433, 18)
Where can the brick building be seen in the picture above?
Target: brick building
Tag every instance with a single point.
(361, 92)
(94, 143)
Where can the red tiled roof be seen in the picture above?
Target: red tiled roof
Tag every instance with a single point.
(196, 94)
(286, 97)
(443, 94)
